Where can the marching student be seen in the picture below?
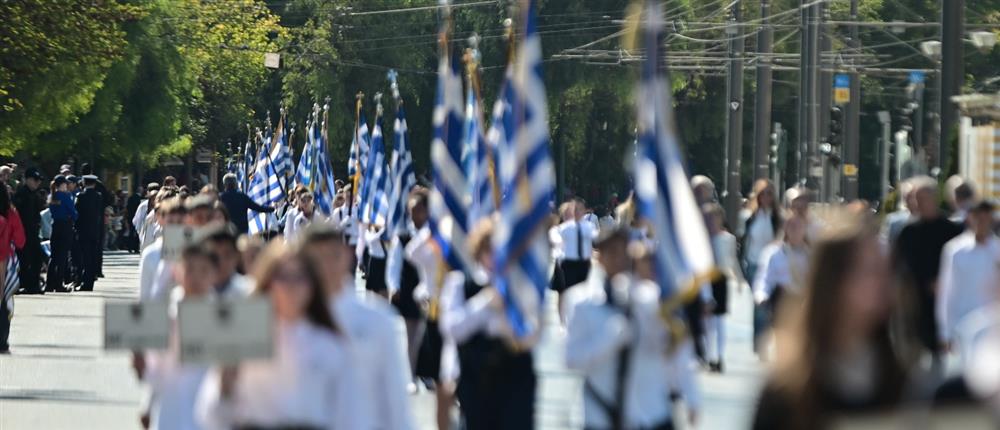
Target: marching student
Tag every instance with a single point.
(782, 271)
(840, 359)
(250, 249)
(496, 389)
(376, 252)
(221, 239)
(305, 213)
(576, 239)
(168, 211)
(288, 220)
(310, 381)
(616, 337)
(403, 299)
(760, 225)
(345, 216)
(174, 386)
(724, 251)
(369, 326)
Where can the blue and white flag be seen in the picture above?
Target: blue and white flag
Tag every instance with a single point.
(683, 251)
(303, 174)
(274, 165)
(403, 178)
(245, 166)
(477, 161)
(324, 187)
(497, 136)
(520, 243)
(359, 155)
(449, 198)
(374, 206)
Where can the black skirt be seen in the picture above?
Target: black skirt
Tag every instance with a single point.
(375, 281)
(403, 300)
(497, 388)
(720, 294)
(573, 272)
(429, 354)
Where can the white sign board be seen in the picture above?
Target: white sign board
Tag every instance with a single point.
(176, 238)
(225, 332)
(136, 326)
(272, 60)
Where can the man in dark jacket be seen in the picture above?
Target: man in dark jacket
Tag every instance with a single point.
(131, 207)
(89, 222)
(29, 206)
(106, 199)
(237, 203)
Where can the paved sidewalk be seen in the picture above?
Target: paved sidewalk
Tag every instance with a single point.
(58, 376)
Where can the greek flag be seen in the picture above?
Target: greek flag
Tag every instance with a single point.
(683, 251)
(268, 184)
(497, 136)
(359, 154)
(324, 188)
(245, 166)
(374, 204)
(476, 162)
(520, 243)
(449, 198)
(303, 174)
(403, 179)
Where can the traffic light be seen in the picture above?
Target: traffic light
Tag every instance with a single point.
(836, 136)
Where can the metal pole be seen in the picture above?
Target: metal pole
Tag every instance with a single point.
(829, 184)
(762, 113)
(852, 119)
(886, 119)
(952, 74)
(801, 136)
(734, 116)
(812, 120)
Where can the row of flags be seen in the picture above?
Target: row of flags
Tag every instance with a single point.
(506, 170)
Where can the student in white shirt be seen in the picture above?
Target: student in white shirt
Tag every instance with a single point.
(781, 274)
(496, 389)
(311, 379)
(970, 270)
(575, 237)
(305, 213)
(724, 251)
(168, 212)
(293, 210)
(617, 339)
(371, 327)
(174, 386)
(142, 211)
(222, 240)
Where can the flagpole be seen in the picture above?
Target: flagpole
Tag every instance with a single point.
(357, 150)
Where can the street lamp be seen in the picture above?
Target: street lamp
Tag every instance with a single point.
(983, 40)
(931, 49)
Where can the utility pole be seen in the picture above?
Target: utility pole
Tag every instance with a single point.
(828, 183)
(852, 118)
(812, 123)
(762, 113)
(734, 116)
(952, 73)
(801, 135)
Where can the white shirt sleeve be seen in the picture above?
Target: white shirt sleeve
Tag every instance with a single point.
(460, 318)
(148, 263)
(763, 284)
(392, 395)
(140, 214)
(593, 336)
(945, 291)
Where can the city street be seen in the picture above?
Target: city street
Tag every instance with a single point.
(58, 376)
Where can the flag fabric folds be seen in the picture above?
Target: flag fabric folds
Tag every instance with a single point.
(374, 205)
(268, 184)
(476, 161)
(683, 251)
(359, 153)
(403, 178)
(322, 184)
(303, 174)
(449, 197)
(520, 244)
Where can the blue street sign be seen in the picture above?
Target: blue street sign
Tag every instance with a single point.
(842, 81)
(916, 77)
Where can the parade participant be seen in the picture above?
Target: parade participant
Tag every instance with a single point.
(29, 206)
(305, 214)
(970, 268)
(88, 230)
(496, 389)
(616, 338)
(704, 190)
(11, 239)
(196, 212)
(139, 217)
(917, 260)
(64, 214)
(403, 300)
(170, 181)
(220, 214)
(761, 224)
(174, 386)
(311, 379)
(782, 273)
(221, 239)
(376, 253)
(288, 221)
(250, 248)
(345, 216)
(369, 325)
(839, 360)
(131, 210)
(238, 203)
(588, 215)
(724, 252)
(200, 210)
(894, 222)
(169, 211)
(576, 238)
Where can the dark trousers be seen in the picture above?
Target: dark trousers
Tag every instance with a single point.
(100, 249)
(75, 259)
(31, 261)
(4, 324)
(497, 388)
(90, 250)
(61, 242)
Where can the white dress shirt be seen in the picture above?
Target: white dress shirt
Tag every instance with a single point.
(759, 233)
(149, 261)
(780, 264)
(150, 230)
(969, 280)
(595, 334)
(139, 218)
(310, 381)
(571, 232)
(173, 386)
(347, 223)
(290, 225)
(724, 250)
(373, 241)
(372, 329)
(421, 252)
(460, 318)
(164, 280)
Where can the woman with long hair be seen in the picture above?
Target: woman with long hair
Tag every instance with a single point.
(760, 225)
(309, 381)
(11, 239)
(837, 359)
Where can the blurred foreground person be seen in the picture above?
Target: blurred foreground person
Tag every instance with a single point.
(724, 251)
(917, 261)
(837, 360)
(11, 239)
(311, 379)
(496, 389)
(782, 274)
(616, 338)
(369, 325)
(761, 224)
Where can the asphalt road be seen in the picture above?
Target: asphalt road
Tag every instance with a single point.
(59, 377)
